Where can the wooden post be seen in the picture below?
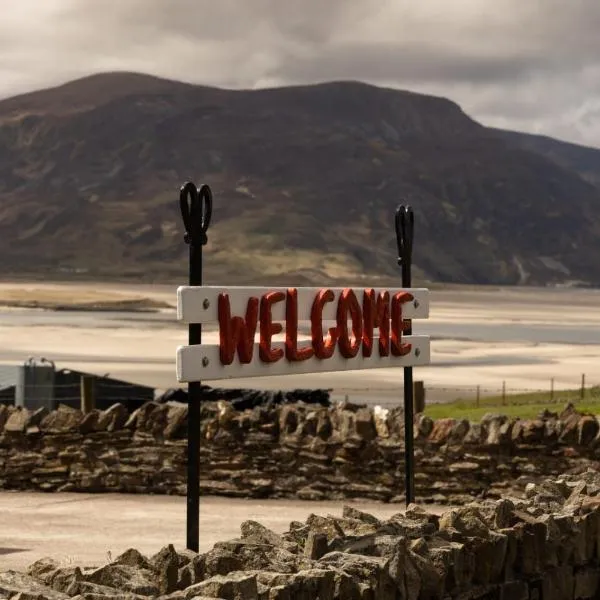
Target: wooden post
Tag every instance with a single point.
(503, 393)
(552, 390)
(478, 397)
(419, 396)
(582, 386)
(88, 400)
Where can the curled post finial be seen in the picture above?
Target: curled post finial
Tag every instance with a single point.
(196, 211)
(405, 226)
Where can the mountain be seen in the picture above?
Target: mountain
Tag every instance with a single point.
(305, 180)
(583, 160)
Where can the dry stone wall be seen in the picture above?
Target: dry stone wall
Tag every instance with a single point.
(297, 450)
(543, 547)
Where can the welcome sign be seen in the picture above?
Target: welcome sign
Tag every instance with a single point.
(348, 329)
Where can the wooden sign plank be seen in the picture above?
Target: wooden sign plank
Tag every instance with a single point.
(202, 362)
(350, 329)
(200, 304)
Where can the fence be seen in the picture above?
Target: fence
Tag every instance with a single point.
(70, 393)
(580, 390)
(507, 395)
(76, 389)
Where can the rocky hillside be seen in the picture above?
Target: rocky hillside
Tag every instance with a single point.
(581, 159)
(306, 180)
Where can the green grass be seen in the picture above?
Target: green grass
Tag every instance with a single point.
(525, 406)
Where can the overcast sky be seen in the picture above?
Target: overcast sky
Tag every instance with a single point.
(531, 65)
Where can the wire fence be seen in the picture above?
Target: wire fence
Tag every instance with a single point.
(577, 391)
(72, 392)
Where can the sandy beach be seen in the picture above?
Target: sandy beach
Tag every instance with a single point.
(480, 337)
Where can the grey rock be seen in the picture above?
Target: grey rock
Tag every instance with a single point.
(316, 545)
(166, 566)
(18, 421)
(350, 512)
(233, 586)
(133, 558)
(13, 583)
(62, 420)
(125, 578)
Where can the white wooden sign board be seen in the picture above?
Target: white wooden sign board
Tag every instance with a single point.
(203, 362)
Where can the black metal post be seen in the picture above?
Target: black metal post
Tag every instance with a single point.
(196, 211)
(405, 222)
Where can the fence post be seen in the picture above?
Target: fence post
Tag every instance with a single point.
(552, 389)
(419, 396)
(582, 386)
(88, 401)
(478, 397)
(503, 393)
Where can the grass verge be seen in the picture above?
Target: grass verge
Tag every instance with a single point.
(525, 406)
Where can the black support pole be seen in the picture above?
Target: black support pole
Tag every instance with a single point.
(405, 222)
(196, 211)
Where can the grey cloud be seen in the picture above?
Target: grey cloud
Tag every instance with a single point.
(400, 62)
(532, 65)
(307, 21)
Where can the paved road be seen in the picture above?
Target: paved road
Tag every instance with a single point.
(88, 528)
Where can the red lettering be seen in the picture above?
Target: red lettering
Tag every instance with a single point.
(398, 324)
(323, 348)
(376, 313)
(268, 329)
(348, 305)
(235, 332)
(292, 352)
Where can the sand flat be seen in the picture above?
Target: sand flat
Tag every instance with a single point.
(144, 350)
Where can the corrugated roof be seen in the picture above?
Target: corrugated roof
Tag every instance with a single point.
(8, 376)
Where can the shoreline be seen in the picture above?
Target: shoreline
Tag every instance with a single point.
(55, 296)
(114, 296)
(104, 307)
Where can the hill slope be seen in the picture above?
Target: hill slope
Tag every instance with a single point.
(583, 160)
(306, 180)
